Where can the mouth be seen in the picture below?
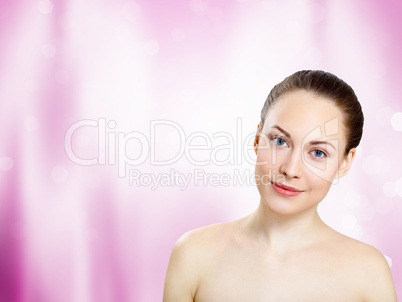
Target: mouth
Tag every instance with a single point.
(285, 190)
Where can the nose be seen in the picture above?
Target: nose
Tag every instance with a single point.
(291, 166)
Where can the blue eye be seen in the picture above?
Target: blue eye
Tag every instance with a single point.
(280, 141)
(319, 153)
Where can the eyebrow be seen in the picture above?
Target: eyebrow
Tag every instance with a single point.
(281, 130)
(321, 142)
(311, 143)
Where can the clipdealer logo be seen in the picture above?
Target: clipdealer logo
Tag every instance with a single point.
(112, 145)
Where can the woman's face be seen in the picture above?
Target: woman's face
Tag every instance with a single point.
(301, 146)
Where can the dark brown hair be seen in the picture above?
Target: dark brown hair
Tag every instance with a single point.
(327, 85)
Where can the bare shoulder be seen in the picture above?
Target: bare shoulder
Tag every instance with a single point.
(201, 245)
(369, 267)
(201, 241)
(358, 252)
(191, 253)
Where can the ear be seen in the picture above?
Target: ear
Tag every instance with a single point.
(257, 138)
(346, 163)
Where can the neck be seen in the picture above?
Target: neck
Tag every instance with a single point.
(283, 234)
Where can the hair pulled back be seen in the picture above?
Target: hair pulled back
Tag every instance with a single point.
(324, 84)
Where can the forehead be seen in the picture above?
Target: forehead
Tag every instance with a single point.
(303, 113)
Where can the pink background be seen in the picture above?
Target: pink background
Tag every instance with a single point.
(81, 233)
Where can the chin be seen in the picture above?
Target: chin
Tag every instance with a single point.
(281, 207)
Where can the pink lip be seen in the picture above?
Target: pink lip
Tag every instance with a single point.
(285, 190)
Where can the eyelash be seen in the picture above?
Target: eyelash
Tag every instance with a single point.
(274, 137)
(324, 153)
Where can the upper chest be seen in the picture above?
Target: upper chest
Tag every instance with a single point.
(249, 275)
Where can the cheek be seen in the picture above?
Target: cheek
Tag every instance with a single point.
(263, 164)
(269, 159)
(270, 155)
(321, 170)
(264, 156)
(265, 167)
(319, 182)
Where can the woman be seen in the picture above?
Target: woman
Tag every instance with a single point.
(311, 124)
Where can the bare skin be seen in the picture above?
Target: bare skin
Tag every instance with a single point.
(228, 262)
(283, 251)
